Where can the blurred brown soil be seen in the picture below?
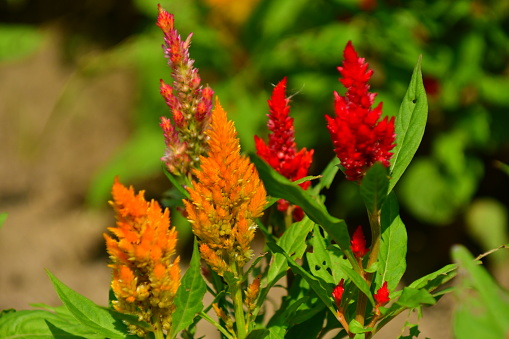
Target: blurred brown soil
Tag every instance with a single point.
(57, 128)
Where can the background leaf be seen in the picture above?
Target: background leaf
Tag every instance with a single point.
(409, 125)
(482, 301)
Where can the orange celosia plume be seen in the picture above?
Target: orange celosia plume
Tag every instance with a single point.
(146, 275)
(225, 199)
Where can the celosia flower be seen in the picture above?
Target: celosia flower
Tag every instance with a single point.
(382, 295)
(225, 199)
(358, 243)
(146, 275)
(360, 138)
(337, 293)
(281, 151)
(189, 102)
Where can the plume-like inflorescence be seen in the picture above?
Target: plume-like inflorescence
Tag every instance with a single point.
(189, 103)
(146, 274)
(225, 199)
(360, 138)
(281, 151)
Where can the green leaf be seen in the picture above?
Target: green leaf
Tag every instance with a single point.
(293, 242)
(3, 217)
(328, 175)
(491, 298)
(358, 280)
(259, 333)
(175, 182)
(324, 259)
(41, 324)
(409, 125)
(281, 187)
(412, 298)
(189, 298)
(374, 187)
(319, 287)
(355, 327)
(87, 313)
(436, 279)
(393, 245)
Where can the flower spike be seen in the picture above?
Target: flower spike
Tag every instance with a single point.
(358, 243)
(337, 293)
(360, 139)
(225, 199)
(189, 103)
(281, 151)
(146, 275)
(382, 295)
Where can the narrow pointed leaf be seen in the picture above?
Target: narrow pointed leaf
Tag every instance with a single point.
(374, 187)
(189, 298)
(409, 125)
(279, 186)
(88, 313)
(393, 245)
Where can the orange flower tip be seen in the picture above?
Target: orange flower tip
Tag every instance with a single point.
(164, 20)
(358, 243)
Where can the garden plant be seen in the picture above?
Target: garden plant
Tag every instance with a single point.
(338, 280)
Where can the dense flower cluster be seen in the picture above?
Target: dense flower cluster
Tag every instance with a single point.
(146, 275)
(360, 139)
(281, 151)
(358, 243)
(189, 102)
(225, 199)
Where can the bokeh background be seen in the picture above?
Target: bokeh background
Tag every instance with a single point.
(80, 103)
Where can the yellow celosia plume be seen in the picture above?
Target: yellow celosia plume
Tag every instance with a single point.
(146, 275)
(225, 199)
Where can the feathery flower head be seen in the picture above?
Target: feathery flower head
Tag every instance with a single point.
(146, 275)
(281, 151)
(360, 139)
(225, 199)
(338, 291)
(382, 295)
(189, 102)
(358, 243)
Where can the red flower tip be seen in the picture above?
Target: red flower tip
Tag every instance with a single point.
(281, 151)
(358, 243)
(382, 295)
(359, 138)
(337, 293)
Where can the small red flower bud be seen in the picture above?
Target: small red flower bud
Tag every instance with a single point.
(382, 295)
(337, 293)
(358, 243)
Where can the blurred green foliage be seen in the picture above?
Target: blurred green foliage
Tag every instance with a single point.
(242, 48)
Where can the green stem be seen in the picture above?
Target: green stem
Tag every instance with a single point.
(158, 329)
(238, 305)
(374, 222)
(216, 325)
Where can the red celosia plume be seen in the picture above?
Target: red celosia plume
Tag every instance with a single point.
(360, 139)
(382, 295)
(338, 291)
(358, 243)
(281, 151)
